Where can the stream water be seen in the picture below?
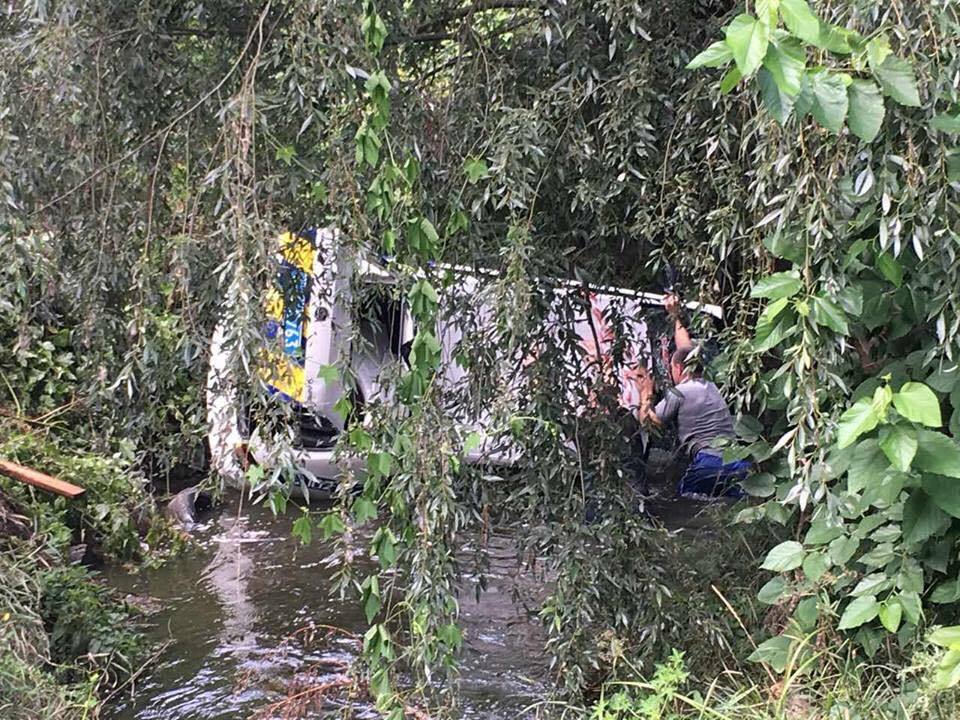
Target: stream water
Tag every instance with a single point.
(234, 609)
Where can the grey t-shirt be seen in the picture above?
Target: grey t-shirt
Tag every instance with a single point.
(701, 414)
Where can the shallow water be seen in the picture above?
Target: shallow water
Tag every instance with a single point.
(231, 609)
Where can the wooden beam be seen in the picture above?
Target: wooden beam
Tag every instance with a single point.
(40, 480)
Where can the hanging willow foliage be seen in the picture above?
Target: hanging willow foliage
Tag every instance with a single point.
(150, 153)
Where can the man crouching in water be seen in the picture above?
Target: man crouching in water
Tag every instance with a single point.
(702, 417)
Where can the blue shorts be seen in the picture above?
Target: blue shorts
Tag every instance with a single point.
(708, 475)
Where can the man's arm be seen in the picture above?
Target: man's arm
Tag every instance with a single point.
(681, 337)
(645, 412)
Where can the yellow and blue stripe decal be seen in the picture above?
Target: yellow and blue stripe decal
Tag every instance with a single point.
(286, 309)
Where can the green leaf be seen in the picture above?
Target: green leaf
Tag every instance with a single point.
(363, 510)
(912, 606)
(890, 614)
(867, 465)
(730, 79)
(836, 39)
(877, 51)
(748, 40)
(921, 518)
(898, 81)
(821, 532)
(776, 286)
(830, 103)
(772, 590)
(937, 454)
(769, 315)
(916, 402)
(303, 529)
(777, 103)
(826, 313)
(800, 20)
(476, 169)
(859, 611)
(948, 637)
(815, 565)
(717, 55)
(785, 556)
(945, 492)
(775, 652)
(946, 123)
(786, 60)
(866, 109)
(946, 592)
(861, 418)
(890, 268)
(843, 549)
(899, 444)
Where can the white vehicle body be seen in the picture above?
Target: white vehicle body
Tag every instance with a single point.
(315, 322)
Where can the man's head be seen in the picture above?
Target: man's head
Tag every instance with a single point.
(684, 364)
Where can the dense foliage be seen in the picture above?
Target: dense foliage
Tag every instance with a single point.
(149, 154)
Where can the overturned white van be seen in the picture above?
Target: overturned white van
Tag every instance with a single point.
(310, 322)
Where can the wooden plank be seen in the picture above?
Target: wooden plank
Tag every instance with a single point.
(40, 480)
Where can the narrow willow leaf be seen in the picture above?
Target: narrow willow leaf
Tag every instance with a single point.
(748, 40)
(896, 77)
(717, 55)
(866, 109)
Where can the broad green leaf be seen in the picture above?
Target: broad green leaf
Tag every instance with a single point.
(899, 444)
(945, 492)
(800, 20)
(767, 11)
(748, 40)
(859, 611)
(815, 565)
(786, 60)
(866, 109)
(775, 652)
(898, 81)
(836, 39)
(717, 55)
(872, 584)
(851, 300)
(302, 529)
(730, 79)
(830, 103)
(878, 49)
(946, 123)
(916, 402)
(843, 549)
(776, 335)
(867, 465)
(922, 518)
(948, 637)
(821, 532)
(776, 286)
(890, 614)
(785, 556)
(772, 590)
(890, 268)
(825, 312)
(912, 607)
(777, 103)
(769, 316)
(937, 453)
(946, 592)
(861, 418)
(759, 485)
(476, 169)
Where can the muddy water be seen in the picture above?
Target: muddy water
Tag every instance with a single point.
(231, 610)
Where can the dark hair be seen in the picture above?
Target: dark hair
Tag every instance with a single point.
(688, 357)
